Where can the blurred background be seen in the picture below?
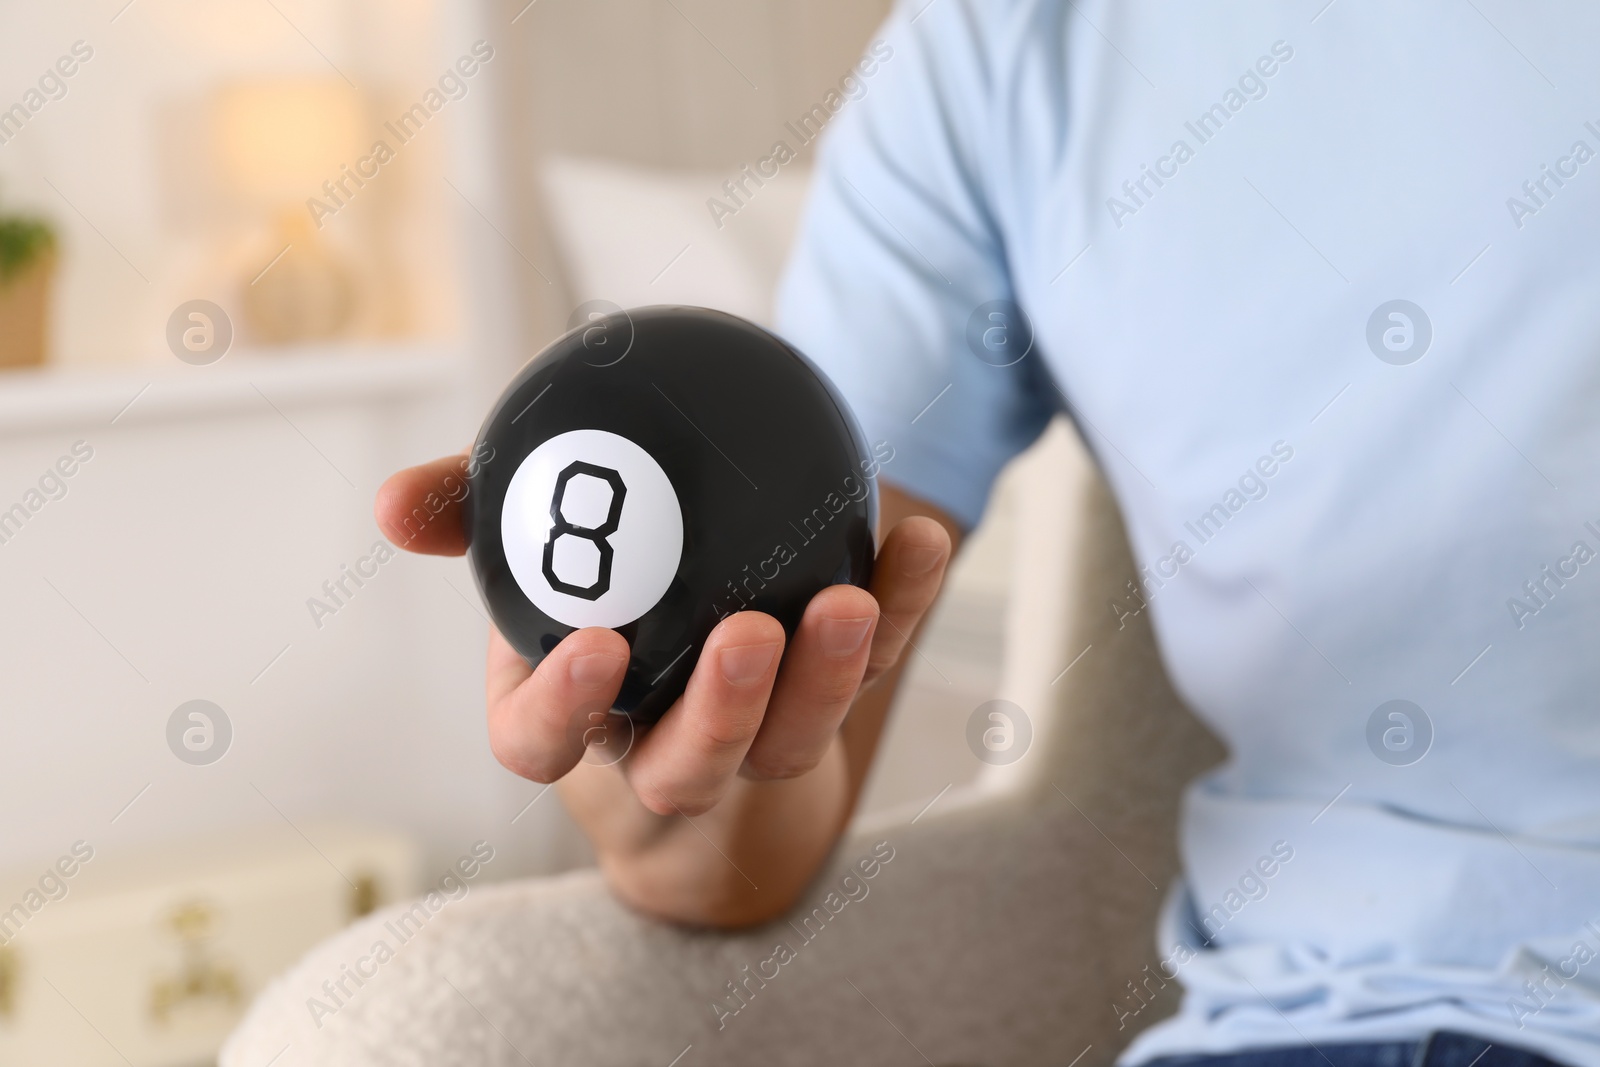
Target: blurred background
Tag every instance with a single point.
(255, 256)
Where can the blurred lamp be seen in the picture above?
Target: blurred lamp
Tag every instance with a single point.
(277, 143)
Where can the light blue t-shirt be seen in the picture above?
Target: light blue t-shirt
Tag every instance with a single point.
(1320, 284)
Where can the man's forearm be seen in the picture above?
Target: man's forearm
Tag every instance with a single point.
(749, 858)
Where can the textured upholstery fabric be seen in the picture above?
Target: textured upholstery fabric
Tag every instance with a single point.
(1005, 930)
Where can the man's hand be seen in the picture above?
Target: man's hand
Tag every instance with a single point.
(755, 719)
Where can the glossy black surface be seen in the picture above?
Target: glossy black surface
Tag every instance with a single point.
(763, 455)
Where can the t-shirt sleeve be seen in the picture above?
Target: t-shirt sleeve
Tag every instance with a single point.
(898, 272)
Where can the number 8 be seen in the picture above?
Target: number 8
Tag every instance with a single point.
(594, 534)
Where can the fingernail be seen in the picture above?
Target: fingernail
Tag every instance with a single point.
(841, 637)
(915, 562)
(747, 664)
(593, 670)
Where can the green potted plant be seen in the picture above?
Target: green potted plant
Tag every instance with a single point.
(27, 267)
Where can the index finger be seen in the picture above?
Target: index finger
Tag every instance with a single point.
(537, 717)
(419, 509)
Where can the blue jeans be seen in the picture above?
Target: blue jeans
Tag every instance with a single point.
(1442, 1049)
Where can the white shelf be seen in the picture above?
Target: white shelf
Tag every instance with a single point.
(51, 397)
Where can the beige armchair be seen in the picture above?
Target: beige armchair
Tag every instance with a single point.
(1006, 923)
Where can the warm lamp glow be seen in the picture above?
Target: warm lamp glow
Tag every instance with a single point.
(279, 141)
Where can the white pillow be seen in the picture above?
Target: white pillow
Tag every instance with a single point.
(642, 235)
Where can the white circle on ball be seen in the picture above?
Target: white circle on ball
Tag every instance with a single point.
(592, 529)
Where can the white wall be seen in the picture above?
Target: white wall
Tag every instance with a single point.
(178, 566)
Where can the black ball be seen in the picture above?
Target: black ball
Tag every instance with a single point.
(654, 471)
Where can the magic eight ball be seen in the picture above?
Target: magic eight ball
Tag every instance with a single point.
(654, 471)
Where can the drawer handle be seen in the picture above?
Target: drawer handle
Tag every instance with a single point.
(201, 977)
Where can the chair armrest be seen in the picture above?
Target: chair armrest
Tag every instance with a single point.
(967, 944)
